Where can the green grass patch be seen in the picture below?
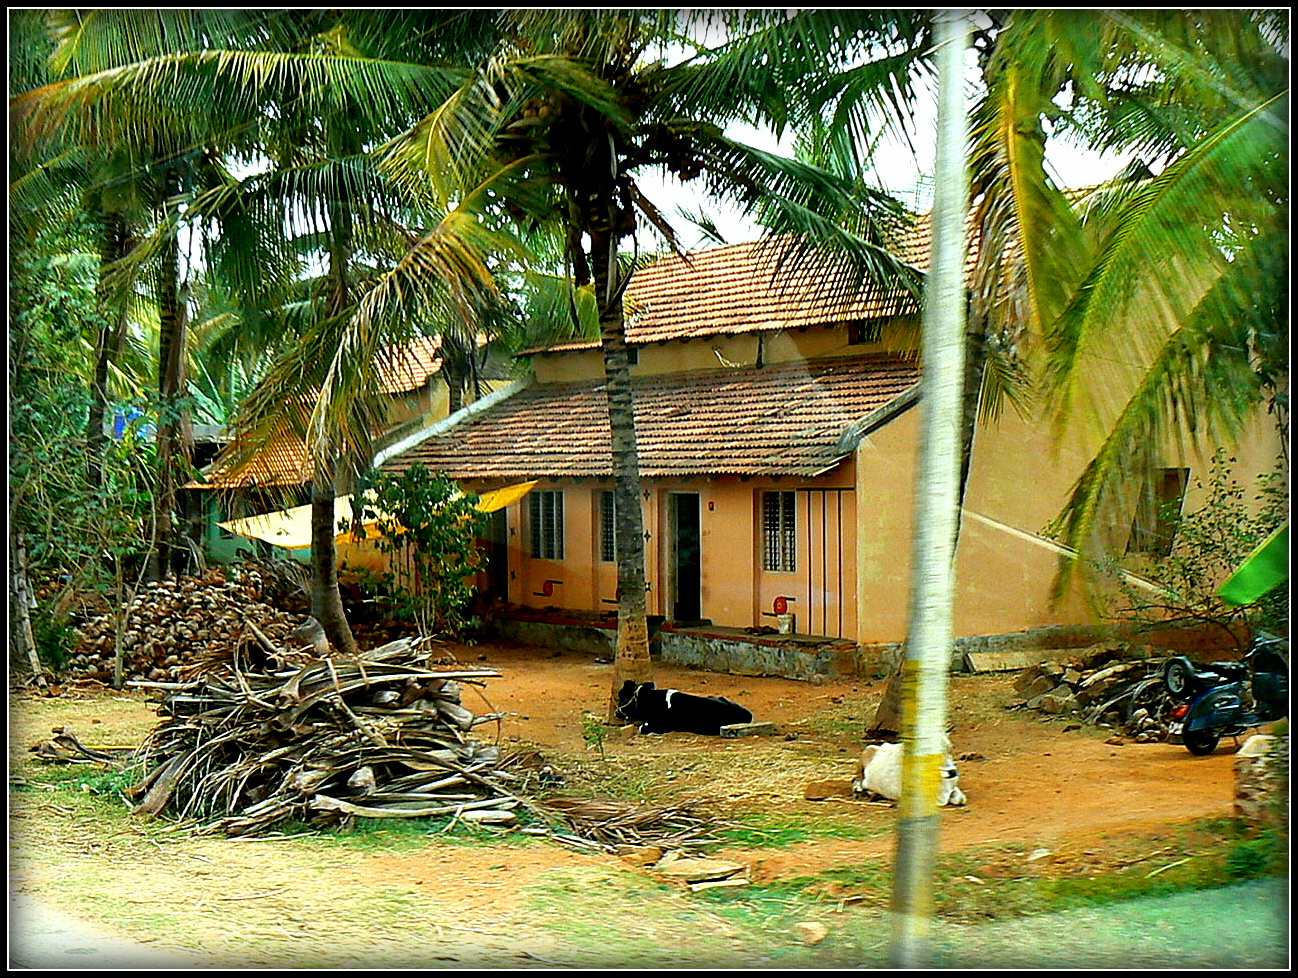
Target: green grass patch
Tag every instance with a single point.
(1204, 855)
(759, 830)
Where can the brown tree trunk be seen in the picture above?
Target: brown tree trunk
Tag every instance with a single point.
(20, 630)
(632, 660)
(174, 440)
(326, 600)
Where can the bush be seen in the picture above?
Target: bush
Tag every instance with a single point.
(1209, 544)
(429, 530)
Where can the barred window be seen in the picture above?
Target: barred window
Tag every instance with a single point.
(547, 524)
(607, 527)
(779, 531)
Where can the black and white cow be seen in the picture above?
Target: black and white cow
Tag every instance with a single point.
(664, 710)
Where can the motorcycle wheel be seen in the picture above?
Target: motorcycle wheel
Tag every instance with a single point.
(1200, 742)
(1176, 676)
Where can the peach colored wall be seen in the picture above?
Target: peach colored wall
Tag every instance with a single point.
(885, 479)
(702, 354)
(1019, 481)
(734, 590)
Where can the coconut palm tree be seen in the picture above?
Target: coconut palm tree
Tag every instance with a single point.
(1177, 264)
(580, 104)
(304, 90)
(1184, 260)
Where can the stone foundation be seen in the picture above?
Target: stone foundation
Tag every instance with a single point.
(1262, 780)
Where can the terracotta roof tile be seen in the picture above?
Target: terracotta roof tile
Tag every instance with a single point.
(778, 420)
(746, 288)
(284, 462)
(408, 367)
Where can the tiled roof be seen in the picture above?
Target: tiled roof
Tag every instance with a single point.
(777, 420)
(408, 367)
(285, 462)
(747, 288)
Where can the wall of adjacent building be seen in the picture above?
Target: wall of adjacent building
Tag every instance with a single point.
(714, 352)
(1006, 565)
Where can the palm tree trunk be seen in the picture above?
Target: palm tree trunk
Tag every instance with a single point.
(928, 645)
(173, 439)
(632, 660)
(326, 600)
(112, 247)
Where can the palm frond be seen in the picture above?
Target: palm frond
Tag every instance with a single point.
(1169, 243)
(1202, 385)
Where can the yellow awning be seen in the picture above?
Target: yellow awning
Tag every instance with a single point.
(496, 499)
(291, 528)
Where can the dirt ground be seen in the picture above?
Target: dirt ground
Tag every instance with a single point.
(1029, 781)
(1034, 788)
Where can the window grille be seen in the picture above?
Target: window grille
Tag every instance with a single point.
(779, 531)
(607, 527)
(547, 525)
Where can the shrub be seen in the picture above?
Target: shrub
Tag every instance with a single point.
(429, 530)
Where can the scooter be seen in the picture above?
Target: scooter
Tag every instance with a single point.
(1223, 699)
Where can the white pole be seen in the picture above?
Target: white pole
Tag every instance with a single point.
(929, 642)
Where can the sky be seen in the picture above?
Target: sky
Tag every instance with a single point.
(906, 175)
(898, 172)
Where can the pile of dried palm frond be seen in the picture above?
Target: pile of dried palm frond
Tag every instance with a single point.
(246, 746)
(261, 738)
(612, 825)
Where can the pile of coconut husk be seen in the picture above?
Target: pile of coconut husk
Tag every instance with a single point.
(171, 623)
(1114, 686)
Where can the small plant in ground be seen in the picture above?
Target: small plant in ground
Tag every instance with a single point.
(594, 730)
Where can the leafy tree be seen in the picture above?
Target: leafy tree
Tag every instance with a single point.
(1208, 544)
(137, 169)
(425, 519)
(69, 535)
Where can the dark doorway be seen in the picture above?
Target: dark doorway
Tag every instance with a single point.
(496, 548)
(687, 573)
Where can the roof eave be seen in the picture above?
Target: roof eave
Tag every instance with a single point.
(853, 434)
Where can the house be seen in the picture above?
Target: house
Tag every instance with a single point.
(409, 381)
(777, 422)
